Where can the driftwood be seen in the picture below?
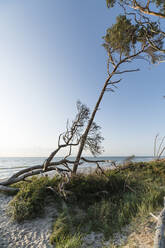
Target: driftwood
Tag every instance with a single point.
(28, 172)
(159, 240)
(8, 189)
(39, 170)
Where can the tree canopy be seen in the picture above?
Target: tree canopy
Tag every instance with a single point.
(136, 26)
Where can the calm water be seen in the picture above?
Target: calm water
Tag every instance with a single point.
(8, 166)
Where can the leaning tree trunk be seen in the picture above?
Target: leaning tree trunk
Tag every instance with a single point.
(84, 137)
(107, 82)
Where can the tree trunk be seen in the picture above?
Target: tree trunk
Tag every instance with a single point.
(84, 137)
(83, 140)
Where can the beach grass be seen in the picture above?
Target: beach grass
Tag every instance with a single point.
(62, 235)
(29, 202)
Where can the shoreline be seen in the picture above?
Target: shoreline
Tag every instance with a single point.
(9, 166)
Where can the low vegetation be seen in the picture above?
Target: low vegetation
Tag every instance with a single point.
(29, 202)
(95, 202)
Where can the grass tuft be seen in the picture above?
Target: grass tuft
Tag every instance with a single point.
(29, 201)
(63, 235)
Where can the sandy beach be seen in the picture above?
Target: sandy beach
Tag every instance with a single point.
(30, 234)
(35, 233)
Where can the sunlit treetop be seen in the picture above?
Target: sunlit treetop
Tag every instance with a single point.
(121, 36)
(136, 26)
(125, 37)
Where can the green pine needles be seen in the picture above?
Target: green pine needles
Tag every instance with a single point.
(121, 36)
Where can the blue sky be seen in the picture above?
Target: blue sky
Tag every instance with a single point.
(51, 56)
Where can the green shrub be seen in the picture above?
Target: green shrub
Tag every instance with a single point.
(29, 201)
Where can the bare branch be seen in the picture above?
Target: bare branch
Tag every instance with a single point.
(95, 161)
(99, 168)
(161, 143)
(111, 59)
(72, 133)
(121, 72)
(108, 62)
(8, 189)
(161, 152)
(109, 89)
(70, 151)
(155, 217)
(155, 142)
(158, 153)
(146, 10)
(59, 138)
(66, 165)
(147, 5)
(31, 173)
(114, 82)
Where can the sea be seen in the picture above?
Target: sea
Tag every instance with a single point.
(10, 165)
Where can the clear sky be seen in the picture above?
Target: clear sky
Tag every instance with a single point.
(51, 56)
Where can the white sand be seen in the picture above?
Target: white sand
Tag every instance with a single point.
(29, 234)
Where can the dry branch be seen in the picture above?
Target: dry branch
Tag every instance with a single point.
(159, 240)
(155, 142)
(158, 152)
(8, 189)
(146, 10)
(72, 136)
(28, 172)
(154, 216)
